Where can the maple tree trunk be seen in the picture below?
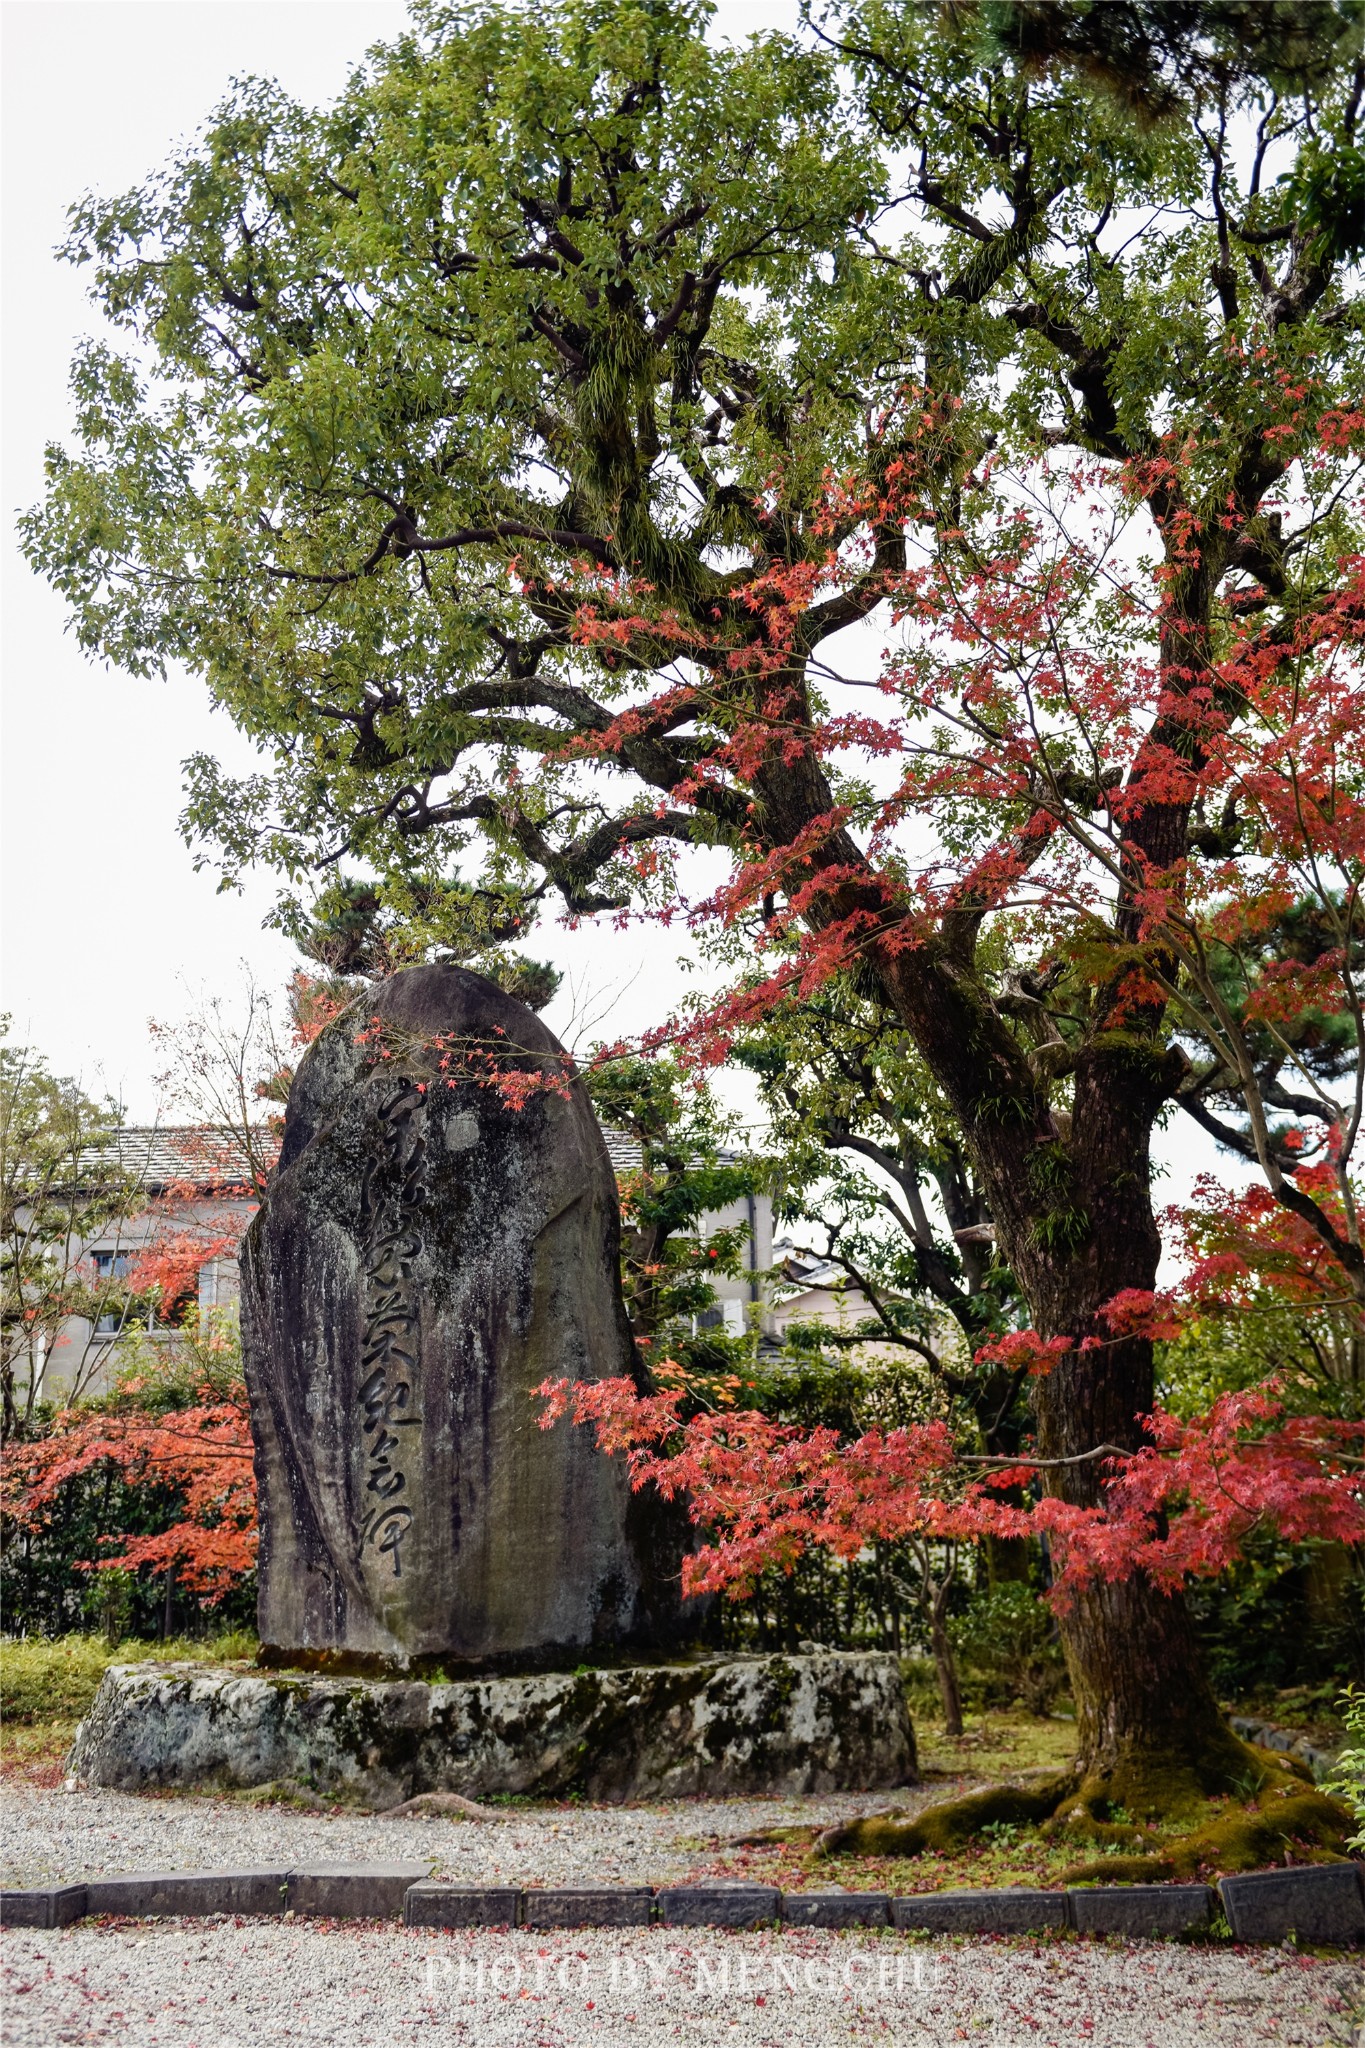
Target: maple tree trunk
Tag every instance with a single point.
(1072, 1206)
(1150, 1734)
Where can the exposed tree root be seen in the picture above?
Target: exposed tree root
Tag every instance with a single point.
(450, 1805)
(1118, 1812)
(948, 1826)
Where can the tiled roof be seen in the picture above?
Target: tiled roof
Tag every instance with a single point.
(160, 1155)
(625, 1153)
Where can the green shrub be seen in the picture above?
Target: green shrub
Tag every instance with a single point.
(1285, 1616)
(1348, 1779)
(1008, 1636)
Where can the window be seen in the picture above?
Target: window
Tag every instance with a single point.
(110, 1266)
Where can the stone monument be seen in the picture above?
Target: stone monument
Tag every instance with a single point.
(440, 1236)
(455, 1600)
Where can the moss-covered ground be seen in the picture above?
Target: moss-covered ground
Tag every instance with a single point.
(1268, 1822)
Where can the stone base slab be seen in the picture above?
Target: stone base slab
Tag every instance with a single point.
(718, 1727)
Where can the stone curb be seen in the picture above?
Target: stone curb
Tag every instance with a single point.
(1010, 1910)
(718, 1905)
(836, 1909)
(354, 1891)
(1321, 1904)
(1141, 1909)
(45, 1906)
(143, 1895)
(583, 1906)
(430, 1904)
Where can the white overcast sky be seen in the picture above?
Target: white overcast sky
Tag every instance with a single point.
(105, 922)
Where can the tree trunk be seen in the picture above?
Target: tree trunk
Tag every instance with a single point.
(1151, 1736)
(1070, 1196)
(946, 1671)
(935, 1595)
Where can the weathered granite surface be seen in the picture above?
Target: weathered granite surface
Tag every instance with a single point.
(426, 1254)
(819, 1723)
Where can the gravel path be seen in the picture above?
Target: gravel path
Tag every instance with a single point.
(46, 1836)
(227, 1984)
(236, 1984)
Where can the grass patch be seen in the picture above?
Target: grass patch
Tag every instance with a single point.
(53, 1678)
(997, 1745)
(47, 1685)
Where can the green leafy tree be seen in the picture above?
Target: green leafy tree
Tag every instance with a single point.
(62, 1183)
(512, 439)
(866, 1143)
(669, 1264)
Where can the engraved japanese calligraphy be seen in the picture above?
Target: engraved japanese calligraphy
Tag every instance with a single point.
(432, 1247)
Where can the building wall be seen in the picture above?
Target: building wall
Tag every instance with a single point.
(83, 1360)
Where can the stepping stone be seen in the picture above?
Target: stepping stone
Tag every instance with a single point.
(699, 1905)
(54, 1905)
(429, 1904)
(836, 1909)
(589, 1906)
(1322, 1903)
(1011, 1910)
(1140, 1909)
(144, 1894)
(354, 1891)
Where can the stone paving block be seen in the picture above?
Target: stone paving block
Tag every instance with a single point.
(1010, 1910)
(142, 1894)
(429, 1904)
(700, 1905)
(53, 1905)
(589, 1906)
(1140, 1909)
(1322, 1903)
(354, 1891)
(836, 1909)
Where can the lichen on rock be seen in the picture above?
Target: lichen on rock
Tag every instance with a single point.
(819, 1723)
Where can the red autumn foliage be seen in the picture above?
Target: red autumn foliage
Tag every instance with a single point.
(203, 1453)
(1043, 683)
(1182, 1506)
